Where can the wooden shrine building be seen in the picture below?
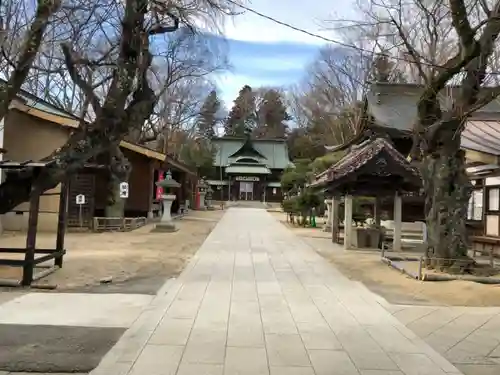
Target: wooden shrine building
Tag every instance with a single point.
(391, 110)
(248, 169)
(374, 168)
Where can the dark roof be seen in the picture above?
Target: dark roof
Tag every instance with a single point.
(8, 164)
(382, 162)
(364, 153)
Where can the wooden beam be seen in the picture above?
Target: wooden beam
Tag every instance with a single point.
(472, 156)
(143, 151)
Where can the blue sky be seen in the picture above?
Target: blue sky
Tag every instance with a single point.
(264, 53)
(264, 64)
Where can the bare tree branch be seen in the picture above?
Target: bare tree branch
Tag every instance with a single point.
(77, 79)
(45, 9)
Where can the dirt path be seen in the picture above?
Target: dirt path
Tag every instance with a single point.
(395, 287)
(137, 262)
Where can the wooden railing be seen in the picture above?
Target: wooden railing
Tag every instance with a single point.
(117, 224)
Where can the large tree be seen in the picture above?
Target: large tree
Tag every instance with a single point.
(183, 79)
(241, 119)
(442, 43)
(272, 115)
(133, 30)
(327, 106)
(207, 118)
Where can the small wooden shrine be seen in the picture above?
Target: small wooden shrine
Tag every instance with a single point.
(373, 168)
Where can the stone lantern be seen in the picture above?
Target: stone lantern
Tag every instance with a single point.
(202, 189)
(208, 197)
(327, 227)
(166, 223)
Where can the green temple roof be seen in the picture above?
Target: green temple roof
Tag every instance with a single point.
(273, 152)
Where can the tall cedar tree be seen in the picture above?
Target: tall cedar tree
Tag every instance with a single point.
(272, 116)
(207, 119)
(242, 118)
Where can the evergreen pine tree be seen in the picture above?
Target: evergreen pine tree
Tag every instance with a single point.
(241, 119)
(207, 118)
(272, 115)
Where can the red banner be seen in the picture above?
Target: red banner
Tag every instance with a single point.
(159, 190)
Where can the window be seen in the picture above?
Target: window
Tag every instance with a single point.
(494, 199)
(475, 209)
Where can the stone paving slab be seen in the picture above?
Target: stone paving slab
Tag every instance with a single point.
(469, 337)
(255, 299)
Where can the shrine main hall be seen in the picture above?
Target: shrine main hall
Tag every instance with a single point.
(248, 169)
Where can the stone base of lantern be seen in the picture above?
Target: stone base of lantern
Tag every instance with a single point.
(165, 228)
(166, 225)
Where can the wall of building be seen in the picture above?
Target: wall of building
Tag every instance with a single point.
(259, 187)
(273, 194)
(140, 182)
(29, 138)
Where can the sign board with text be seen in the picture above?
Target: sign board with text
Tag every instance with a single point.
(123, 189)
(247, 178)
(80, 199)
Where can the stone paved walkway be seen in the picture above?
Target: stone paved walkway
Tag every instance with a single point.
(469, 337)
(256, 300)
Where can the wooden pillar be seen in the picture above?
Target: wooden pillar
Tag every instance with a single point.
(61, 222)
(398, 223)
(348, 222)
(228, 188)
(29, 255)
(377, 211)
(152, 190)
(264, 188)
(334, 217)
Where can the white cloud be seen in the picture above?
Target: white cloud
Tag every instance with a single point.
(231, 84)
(276, 63)
(251, 27)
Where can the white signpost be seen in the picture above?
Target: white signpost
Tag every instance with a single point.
(123, 189)
(80, 201)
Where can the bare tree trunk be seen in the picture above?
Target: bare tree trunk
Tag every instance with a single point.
(120, 169)
(114, 120)
(447, 190)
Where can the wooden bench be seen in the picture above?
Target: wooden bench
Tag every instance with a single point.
(486, 240)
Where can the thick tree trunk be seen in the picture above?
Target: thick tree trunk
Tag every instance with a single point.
(447, 190)
(119, 168)
(123, 109)
(115, 206)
